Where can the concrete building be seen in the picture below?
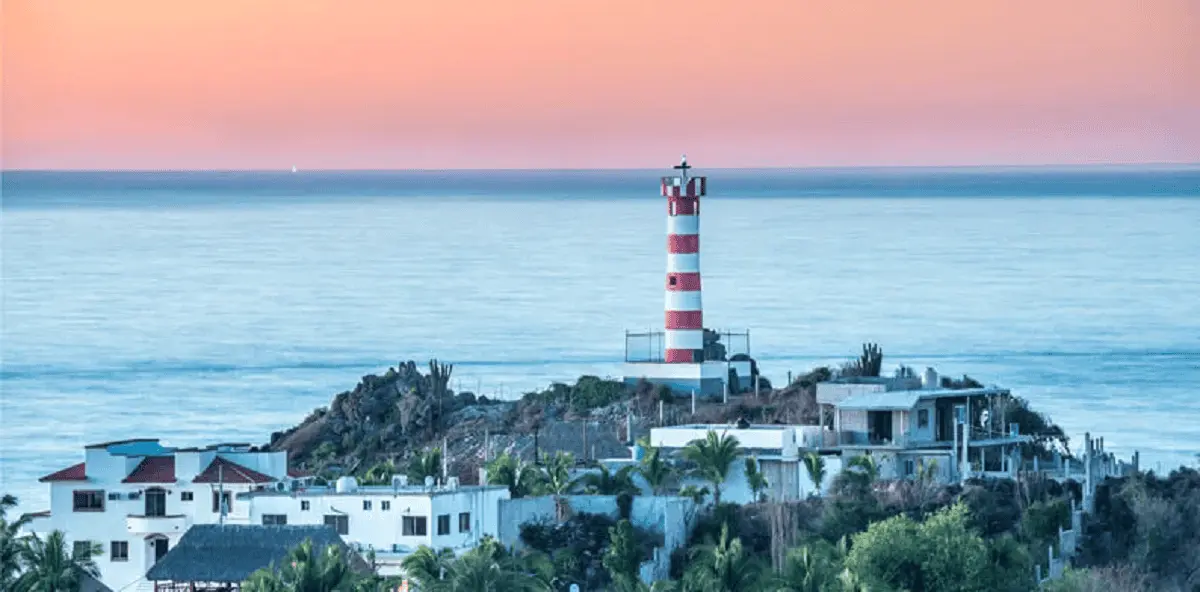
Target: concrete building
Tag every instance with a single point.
(136, 498)
(778, 450)
(392, 521)
(682, 357)
(919, 425)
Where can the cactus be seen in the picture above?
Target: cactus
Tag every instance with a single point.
(871, 360)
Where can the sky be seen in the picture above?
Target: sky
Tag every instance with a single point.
(410, 84)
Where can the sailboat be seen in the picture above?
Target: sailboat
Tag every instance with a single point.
(293, 168)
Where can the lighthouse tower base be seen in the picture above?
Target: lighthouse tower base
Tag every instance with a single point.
(706, 378)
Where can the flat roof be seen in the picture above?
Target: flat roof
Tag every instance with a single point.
(730, 426)
(370, 490)
(904, 400)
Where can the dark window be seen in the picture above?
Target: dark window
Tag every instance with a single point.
(185, 496)
(444, 524)
(89, 501)
(366, 504)
(156, 502)
(464, 522)
(82, 548)
(385, 505)
(671, 280)
(339, 522)
(922, 418)
(119, 551)
(304, 505)
(216, 499)
(112, 497)
(413, 526)
(274, 519)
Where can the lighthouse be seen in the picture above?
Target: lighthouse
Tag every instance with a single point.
(678, 356)
(684, 335)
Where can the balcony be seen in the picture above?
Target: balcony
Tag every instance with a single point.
(142, 524)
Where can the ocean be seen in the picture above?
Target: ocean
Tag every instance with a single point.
(206, 307)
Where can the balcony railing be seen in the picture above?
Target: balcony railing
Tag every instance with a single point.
(142, 524)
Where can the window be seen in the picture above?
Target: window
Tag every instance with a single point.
(444, 524)
(112, 497)
(339, 522)
(185, 496)
(274, 519)
(118, 551)
(216, 499)
(910, 468)
(82, 547)
(922, 418)
(385, 505)
(413, 526)
(671, 280)
(464, 522)
(304, 505)
(156, 502)
(366, 505)
(89, 501)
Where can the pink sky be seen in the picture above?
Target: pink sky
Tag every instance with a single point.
(236, 84)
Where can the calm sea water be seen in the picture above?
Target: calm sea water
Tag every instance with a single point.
(220, 307)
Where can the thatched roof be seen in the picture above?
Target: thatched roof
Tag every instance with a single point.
(230, 553)
(90, 584)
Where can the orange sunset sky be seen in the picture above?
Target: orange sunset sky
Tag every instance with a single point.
(353, 84)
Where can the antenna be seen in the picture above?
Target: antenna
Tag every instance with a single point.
(683, 166)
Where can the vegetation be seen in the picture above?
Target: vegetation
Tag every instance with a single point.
(712, 457)
(35, 564)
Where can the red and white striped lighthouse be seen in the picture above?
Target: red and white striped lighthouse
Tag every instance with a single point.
(684, 338)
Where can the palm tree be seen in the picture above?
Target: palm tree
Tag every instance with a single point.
(305, 569)
(488, 568)
(723, 566)
(754, 478)
(712, 457)
(697, 494)
(426, 566)
(655, 470)
(10, 543)
(520, 478)
(555, 479)
(815, 465)
(867, 466)
(606, 482)
(812, 568)
(426, 464)
(49, 567)
(380, 474)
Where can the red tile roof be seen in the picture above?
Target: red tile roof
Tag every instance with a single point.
(72, 473)
(154, 469)
(298, 473)
(230, 472)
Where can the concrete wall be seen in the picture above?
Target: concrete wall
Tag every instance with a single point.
(928, 432)
(765, 437)
(832, 393)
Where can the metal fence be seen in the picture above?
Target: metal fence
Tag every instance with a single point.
(650, 346)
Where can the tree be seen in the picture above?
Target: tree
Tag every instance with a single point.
(488, 568)
(867, 466)
(306, 569)
(10, 543)
(814, 567)
(754, 478)
(942, 554)
(379, 474)
(815, 465)
(50, 567)
(426, 567)
(722, 566)
(556, 479)
(623, 558)
(426, 464)
(712, 457)
(606, 482)
(655, 470)
(697, 494)
(520, 478)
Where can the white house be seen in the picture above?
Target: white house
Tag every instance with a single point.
(136, 498)
(779, 450)
(391, 520)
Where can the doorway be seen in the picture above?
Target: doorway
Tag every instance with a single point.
(157, 546)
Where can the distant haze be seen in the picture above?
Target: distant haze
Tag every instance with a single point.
(231, 84)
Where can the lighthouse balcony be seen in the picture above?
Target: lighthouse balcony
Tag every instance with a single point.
(712, 370)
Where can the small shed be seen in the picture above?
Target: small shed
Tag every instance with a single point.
(218, 558)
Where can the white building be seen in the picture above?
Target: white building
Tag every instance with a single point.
(136, 498)
(392, 520)
(779, 450)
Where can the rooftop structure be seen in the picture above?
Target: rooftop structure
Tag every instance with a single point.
(219, 558)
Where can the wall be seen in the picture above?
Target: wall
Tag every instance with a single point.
(758, 437)
(852, 420)
(832, 393)
(916, 432)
